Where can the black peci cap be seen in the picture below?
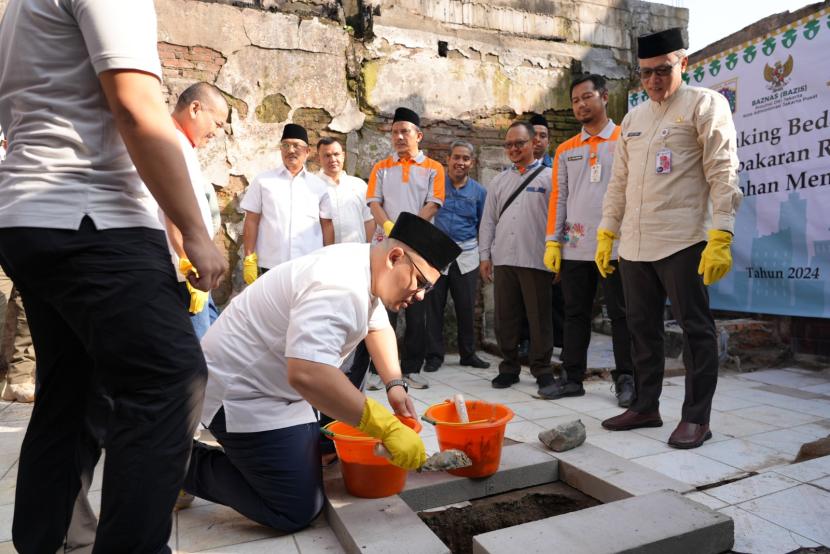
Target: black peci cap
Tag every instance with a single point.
(660, 43)
(405, 114)
(426, 239)
(294, 131)
(537, 119)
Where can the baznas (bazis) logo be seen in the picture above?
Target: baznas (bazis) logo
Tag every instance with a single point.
(777, 75)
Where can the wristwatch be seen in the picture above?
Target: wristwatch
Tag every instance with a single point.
(397, 382)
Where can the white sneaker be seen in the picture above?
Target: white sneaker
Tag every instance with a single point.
(374, 382)
(416, 381)
(19, 392)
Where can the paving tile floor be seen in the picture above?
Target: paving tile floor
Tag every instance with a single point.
(759, 420)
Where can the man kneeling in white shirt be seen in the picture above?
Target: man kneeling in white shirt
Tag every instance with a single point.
(275, 352)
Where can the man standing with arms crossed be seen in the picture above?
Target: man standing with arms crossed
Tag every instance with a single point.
(81, 102)
(406, 181)
(581, 170)
(675, 158)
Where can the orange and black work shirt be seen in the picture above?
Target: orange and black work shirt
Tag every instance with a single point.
(581, 171)
(405, 185)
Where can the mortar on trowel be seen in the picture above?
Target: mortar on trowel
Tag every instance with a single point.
(480, 436)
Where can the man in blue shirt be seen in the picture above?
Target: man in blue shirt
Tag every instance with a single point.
(459, 217)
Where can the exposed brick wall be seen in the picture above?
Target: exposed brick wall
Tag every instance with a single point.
(182, 66)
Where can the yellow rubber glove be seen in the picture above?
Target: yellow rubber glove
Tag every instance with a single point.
(198, 299)
(553, 256)
(605, 244)
(249, 268)
(716, 259)
(404, 444)
(186, 267)
(387, 227)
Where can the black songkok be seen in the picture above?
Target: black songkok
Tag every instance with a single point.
(294, 131)
(405, 114)
(660, 43)
(426, 239)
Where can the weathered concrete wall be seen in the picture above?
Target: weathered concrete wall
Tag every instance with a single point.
(340, 67)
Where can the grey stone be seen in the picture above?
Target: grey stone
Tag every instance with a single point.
(377, 525)
(661, 522)
(564, 437)
(608, 477)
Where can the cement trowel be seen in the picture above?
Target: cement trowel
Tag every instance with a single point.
(441, 461)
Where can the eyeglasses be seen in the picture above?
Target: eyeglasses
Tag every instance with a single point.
(661, 70)
(515, 144)
(289, 146)
(425, 285)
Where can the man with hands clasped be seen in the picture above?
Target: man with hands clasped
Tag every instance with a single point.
(276, 351)
(675, 158)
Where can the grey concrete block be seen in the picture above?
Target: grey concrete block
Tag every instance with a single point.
(661, 522)
(377, 525)
(608, 477)
(521, 466)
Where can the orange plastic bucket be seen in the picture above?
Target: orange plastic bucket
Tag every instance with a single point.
(364, 474)
(481, 439)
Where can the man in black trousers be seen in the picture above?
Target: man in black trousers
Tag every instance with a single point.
(680, 147)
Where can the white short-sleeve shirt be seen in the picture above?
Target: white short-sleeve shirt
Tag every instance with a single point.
(200, 189)
(349, 211)
(291, 207)
(316, 308)
(66, 159)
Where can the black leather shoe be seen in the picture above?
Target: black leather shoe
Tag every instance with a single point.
(475, 361)
(561, 390)
(432, 367)
(624, 388)
(504, 380)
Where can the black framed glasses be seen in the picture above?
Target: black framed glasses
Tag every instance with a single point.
(424, 284)
(661, 70)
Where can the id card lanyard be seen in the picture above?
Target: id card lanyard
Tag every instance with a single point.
(663, 158)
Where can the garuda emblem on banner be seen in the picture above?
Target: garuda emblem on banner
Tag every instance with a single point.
(777, 74)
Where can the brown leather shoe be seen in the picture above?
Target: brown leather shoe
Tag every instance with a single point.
(689, 435)
(633, 420)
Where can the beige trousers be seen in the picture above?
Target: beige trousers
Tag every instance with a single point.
(15, 335)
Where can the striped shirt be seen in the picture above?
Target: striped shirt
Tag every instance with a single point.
(575, 206)
(406, 185)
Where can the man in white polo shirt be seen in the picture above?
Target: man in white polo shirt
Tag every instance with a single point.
(275, 352)
(283, 208)
(200, 111)
(350, 215)
(118, 364)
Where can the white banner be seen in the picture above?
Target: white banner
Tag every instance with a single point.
(778, 87)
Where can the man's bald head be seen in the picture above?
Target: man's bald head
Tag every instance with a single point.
(200, 111)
